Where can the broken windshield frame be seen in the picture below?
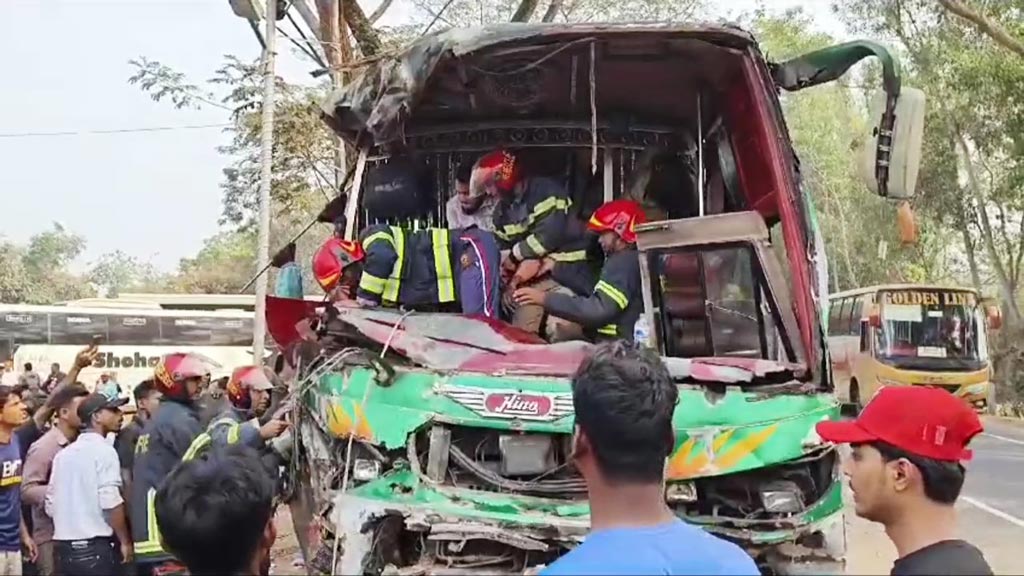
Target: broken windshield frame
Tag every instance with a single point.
(714, 287)
(711, 302)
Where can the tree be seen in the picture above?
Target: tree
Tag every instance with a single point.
(15, 283)
(45, 261)
(985, 25)
(222, 266)
(303, 151)
(117, 272)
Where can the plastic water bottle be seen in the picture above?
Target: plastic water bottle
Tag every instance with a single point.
(642, 332)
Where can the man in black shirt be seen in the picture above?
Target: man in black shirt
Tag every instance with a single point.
(905, 472)
(147, 400)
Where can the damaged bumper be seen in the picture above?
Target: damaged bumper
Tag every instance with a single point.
(399, 526)
(452, 531)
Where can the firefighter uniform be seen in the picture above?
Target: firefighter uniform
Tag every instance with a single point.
(234, 426)
(165, 441)
(614, 306)
(424, 267)
(536, 224)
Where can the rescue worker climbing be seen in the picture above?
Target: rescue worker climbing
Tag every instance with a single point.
(611, 311)
(165, 441)
(532, 221)
(392, 266)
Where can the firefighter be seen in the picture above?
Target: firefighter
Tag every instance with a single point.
(165, 441)
(248, 392)
(532, 221)
(392, 266)
(614, 306)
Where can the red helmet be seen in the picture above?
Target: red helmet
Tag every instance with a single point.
(173, 370)
(243, 380)
(619, 216)
(494, 174)
(331, 259)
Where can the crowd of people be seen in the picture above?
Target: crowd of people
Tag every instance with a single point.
(78, 489)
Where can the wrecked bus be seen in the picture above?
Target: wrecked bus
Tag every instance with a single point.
(437, 443)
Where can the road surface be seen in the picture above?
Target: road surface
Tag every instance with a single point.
(991, 507)
(991, 511)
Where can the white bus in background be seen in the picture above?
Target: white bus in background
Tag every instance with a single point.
(134, 336)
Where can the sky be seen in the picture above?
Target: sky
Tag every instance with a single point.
(154, 194)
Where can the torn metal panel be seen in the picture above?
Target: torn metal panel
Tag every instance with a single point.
(455, 343)
(385, 94)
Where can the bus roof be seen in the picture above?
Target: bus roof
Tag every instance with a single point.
(877, 287)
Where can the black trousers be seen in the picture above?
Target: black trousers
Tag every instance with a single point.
(92, 557)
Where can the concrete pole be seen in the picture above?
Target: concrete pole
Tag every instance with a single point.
(266, 160)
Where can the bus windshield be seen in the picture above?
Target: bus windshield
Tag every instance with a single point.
(930, 329)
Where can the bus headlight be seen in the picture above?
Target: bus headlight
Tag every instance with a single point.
(978, 388)
(782, 499)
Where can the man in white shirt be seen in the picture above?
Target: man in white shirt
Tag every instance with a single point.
(463, 209)
(84, 496)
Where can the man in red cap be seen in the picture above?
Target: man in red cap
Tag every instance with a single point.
(905, 472)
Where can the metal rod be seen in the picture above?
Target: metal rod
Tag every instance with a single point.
(267, 265)
(348, 177)
(266, 160)
(700, 159)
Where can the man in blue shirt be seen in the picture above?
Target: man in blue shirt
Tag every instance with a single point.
(624, 399)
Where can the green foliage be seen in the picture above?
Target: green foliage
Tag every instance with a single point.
(303, 169)
(117, 272)
(223, 265)
(37, 273)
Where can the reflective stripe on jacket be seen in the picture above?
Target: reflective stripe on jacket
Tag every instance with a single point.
(537, 223)
(165, 439)
(407, 267)
(616, 303)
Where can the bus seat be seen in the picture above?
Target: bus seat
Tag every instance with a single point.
(683, 304)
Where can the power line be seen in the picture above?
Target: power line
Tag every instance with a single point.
(111, 131)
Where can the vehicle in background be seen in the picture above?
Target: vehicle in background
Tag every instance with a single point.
(438, 443)
(911, 335)
(154, 300)
(132, 340)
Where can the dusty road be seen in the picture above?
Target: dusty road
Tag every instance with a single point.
(991, 512)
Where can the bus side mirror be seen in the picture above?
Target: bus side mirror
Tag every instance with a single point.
(890, 155)
(995, 317)
(874, 316)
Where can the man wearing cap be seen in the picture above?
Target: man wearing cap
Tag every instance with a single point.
(84, 495)
(905, 472)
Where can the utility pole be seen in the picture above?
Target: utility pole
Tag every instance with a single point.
(266, 173)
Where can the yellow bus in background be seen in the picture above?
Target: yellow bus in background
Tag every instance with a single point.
(911, 335)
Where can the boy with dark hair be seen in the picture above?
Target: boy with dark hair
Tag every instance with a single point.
(905, 472)
(84, 495)
(624, 399)
(39, 463)
(216, 512)
(14, 532)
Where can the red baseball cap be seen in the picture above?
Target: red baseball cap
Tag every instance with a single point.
(926, 422)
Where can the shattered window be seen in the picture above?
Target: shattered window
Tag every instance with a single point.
(713, 303)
